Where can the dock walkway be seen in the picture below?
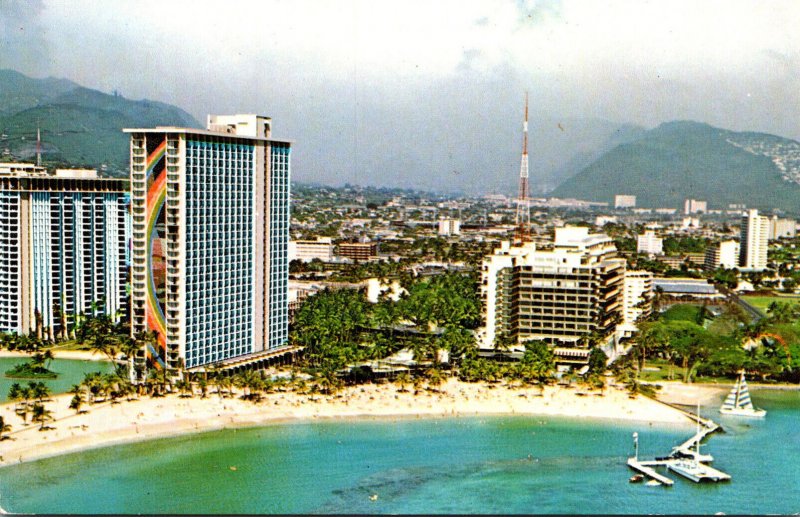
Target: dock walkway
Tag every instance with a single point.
(685, 458)
(645, 469)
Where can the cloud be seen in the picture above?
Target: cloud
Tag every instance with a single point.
(351, 79)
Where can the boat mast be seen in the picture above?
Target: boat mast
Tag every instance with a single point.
(738, 388)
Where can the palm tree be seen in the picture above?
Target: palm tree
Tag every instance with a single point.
(76, 402)
(224, 385)
(328, 379)
(402, 380)
(185, 387)
(15, 395)
(39, 391)
(435, 378)
(4, 428)
(251, 383)
(41, 414)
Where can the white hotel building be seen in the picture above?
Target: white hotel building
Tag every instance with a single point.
(63, 247)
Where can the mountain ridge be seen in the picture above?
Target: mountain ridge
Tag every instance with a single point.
(79, 126)
(687, 159)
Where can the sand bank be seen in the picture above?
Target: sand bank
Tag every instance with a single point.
(146, 418)
(82, 355)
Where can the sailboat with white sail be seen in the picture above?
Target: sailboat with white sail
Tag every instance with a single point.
(738, 402)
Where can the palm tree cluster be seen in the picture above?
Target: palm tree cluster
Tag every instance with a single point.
(31, 398)
(718, 348)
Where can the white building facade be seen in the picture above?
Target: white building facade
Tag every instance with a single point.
(63, 249)
(649, 243)
(753, 242)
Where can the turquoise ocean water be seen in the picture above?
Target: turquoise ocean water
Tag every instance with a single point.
(451, 465)
(71, 371)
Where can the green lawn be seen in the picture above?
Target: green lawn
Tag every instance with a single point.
(762, 302)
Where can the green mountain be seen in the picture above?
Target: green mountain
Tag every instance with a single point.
(79, 127)
(680, 160)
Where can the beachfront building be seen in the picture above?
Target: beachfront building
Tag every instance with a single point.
(753, 241)
(559, 294)
(218, 200)
(63, 248)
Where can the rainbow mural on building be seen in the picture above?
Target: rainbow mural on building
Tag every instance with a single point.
(156, 194)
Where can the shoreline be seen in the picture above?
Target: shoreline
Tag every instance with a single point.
(172, 416)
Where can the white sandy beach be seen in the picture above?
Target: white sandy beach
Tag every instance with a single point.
(144, 418)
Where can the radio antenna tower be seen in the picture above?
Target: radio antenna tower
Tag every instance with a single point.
(38, 146)
(523, 232)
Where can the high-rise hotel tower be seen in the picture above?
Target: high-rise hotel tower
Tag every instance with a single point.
(210, 233)
(63, 248)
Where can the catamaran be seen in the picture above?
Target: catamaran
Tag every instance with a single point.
(738, 402)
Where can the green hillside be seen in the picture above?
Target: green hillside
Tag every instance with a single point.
(680, 160)
(80, 127)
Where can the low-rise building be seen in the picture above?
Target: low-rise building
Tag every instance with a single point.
(358, 250)
(308, 250)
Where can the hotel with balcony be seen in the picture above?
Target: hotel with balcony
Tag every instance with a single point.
(63, 248)
(218, 202)
(559, 294)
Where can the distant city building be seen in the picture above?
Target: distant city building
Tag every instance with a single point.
(624, 201)
(358, 250)
(649, 243)
(218, 199)
(63, 248)
(602, 220)
(693, 206)
(779, 228)
(723, 254)
(638, 290)
(690, 222)
(307, 250)
(557, 295)
(449, 227)
(753, 242)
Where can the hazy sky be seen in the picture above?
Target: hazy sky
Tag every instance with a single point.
(404, 91)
